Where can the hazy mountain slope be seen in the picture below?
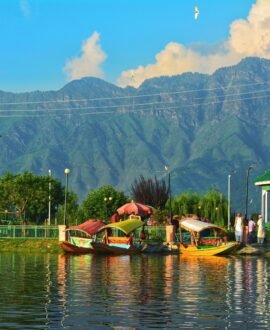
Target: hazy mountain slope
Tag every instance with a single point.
(201, 126)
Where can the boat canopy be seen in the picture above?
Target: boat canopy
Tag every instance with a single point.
(90, 227)
(127, 226)
(197, 225)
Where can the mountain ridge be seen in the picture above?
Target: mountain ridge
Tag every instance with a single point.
(201, 126)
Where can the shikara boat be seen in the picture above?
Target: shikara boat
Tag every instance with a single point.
(79, 238)
(205, 239)
(118, 238)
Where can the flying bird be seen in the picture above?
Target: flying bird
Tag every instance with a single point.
(196, 12)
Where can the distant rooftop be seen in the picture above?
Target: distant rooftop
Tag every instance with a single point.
(263, 179)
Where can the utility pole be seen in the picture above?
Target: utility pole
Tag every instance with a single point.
(229, 201)
(170, 192)
(49, 204)
(247, 178)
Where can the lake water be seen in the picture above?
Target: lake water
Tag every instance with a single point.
(133, 292)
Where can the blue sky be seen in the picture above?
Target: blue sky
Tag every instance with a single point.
(46, 43)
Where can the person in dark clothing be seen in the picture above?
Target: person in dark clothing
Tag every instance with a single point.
(175, 222)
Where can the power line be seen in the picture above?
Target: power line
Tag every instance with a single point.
(122, 106)
(136, 96)
(50, 113)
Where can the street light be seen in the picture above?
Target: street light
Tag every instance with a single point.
(229, 197)
(170, 194)
(49, 204)
(246, 209)
(107, 199)
(67, 171)
(229, 201)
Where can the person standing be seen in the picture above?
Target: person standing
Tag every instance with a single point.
(175, 223)
(251, 230)
(238, 228)
(261, 230)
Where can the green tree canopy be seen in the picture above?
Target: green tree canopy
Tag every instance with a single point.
(28, 195)
(215, 207)
(212, 205)
(72, 211)
(102, 203)
(186, 203)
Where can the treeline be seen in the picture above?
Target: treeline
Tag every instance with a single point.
(27, 198)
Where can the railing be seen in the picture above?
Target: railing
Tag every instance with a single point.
(25, 231)
(153, 233)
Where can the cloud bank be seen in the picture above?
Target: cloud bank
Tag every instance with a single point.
(89, 62)
(249, 37)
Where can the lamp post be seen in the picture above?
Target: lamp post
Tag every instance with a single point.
(49, 203)
(199, 210)
(67, 171)
(247, 177)
(107, 199)
(229, 201)
(170, 193)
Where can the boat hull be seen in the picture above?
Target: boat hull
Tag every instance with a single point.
(192, 250)
(117, 249)
(71, 248)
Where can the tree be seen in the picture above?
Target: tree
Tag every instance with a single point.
(215, 207)
(186, 203)
(211, 205)
(27, 194)
(150, 191)
(72, 211)
(102, 203)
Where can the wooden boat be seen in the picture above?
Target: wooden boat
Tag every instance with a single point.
(79, 238)
(205, 239)
(75, 248)
(118, 238)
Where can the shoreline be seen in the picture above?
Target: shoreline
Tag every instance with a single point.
(52, 246)
(32, 245)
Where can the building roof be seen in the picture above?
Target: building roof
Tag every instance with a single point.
(263, 179)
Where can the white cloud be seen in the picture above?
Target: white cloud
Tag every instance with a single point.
(249, 37)
(89, 62)
(25, 7)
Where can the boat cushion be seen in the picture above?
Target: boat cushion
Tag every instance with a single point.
(116, 240)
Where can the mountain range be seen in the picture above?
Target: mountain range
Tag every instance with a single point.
(200, 127)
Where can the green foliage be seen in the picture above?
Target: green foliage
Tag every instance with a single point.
(160, 216)
(30, 245)
(215, 207)
(102, 203)
(28, 195)
(211, 205)
(156, 234)
(150, 191)
(72, 211)
(186, 203)
(200, 142)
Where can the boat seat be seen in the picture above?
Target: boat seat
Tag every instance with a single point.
(209, 240)
(121, 240)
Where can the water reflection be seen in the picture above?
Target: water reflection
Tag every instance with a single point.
(248, 291)
(137, 292)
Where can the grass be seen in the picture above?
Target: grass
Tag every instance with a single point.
(30, 245)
